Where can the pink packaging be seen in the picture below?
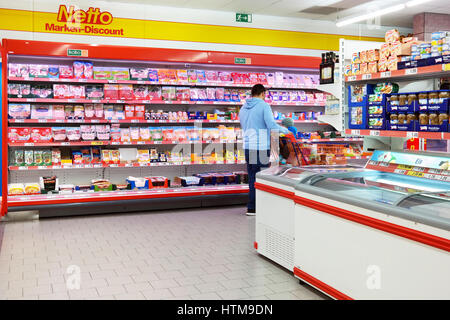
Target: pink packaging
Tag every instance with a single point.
(73, 134)
(212, 76)
(129, 112)
(78, 69)
(58, 112)
(225, 77)
(140, 92)
(41, 134)
(78, 112)
(103, 132)
(65, 72)
(139, 111)
(88, 132)
(115, 132)
(126, 92)
(254, 78)
(77, 92)
(111, 91)
(89, 111)
(41, 111)
(262, 78)
(59, 133)
(61, 91)
(13, 70)
(18, 134)
(99, 110)
(88, 70)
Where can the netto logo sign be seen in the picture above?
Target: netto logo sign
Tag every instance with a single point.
(91, 16)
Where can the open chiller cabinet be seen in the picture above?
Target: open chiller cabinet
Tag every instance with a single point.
(103, 56)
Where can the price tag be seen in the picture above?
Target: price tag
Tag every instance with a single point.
(157, 142)
(375, 133)
(31, 100)
(97, 143)
(23, 168)
(367, 76)
(120, 101)
(56, 167)
(411, 71)
(18, 120)
(71, 100)
(42, 167)
(134, 121)
(113, 165)
(415, 174)
(82, 80)
(356, 132)
(112, 81)
(88, 166)
(162, 121)
(29, 144)
(418, 169)
(95, 121)
(141, 142)
(168, 102)
(115, 142)
(96, 101)
(386, 74)
(411, 134)
(352, 78)
(141, 82)
(398, 171)
(128, 165)
(98, 166)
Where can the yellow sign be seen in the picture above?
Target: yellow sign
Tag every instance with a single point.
(94, 22)
(415, 174)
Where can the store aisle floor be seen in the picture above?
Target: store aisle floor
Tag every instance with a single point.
(183, 254)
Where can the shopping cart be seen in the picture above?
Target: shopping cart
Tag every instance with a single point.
(293, 152)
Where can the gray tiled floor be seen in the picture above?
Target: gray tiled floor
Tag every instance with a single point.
(186, 254)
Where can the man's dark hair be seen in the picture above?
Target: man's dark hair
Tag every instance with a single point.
(257, 89)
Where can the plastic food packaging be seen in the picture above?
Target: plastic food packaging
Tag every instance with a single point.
(15, 189)
(56, 156)
(140, 92)
(61, 91)
(73, 134)
(59, 133)
(139, 73)
(94, 92)
(88, 132)
(121, 74)
(101, 73)
(103, 132)
(65, 72)
(78, 69)
(41, 134)
(19, 111)
(126, 92)
(111, 91)
(18, 134)
(77, 92)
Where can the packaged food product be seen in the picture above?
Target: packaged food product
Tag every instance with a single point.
(59, 133)
(39, 91)
(78, 69)
(103, 132)
(212, 76)
(126, 92)
(125, 135)
(77, 157)
(423, 118)
(20, 134)
(37, 158)
(94, 92)
(102, 73)
(139, 73)
(395, 48)
(77, 92)
(53, 72)
(15, 189)
(443, 117)
(41, 134)
(111, 91)
(153, 75)
(144, 134)
(86, 155)
(78, 112)
(13, 70)
(433, 119)
(56, 156)
(99, 111)
(134, 133)
(140, 92)
(168, 93)
(61, 91)
(433, 97)
(143, 156)
(88, 132)
(355, 69)
(96, 155)
(423, 98)
(392, 35)
(201, 76)
(121, 74)
(73, 133)
(88, 70)
(363, 68)
(355, 58)
(18, 158)
(19, 111)
(47, 157)
(65, 72)
(154, 93)
(106, 156)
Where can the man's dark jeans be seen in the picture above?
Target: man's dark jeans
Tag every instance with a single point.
(256, 160)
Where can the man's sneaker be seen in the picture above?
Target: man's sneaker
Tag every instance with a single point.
(251, 212)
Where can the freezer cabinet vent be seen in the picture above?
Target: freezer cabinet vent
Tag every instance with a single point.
(280, 248)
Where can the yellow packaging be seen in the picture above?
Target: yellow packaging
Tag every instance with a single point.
(363, 68)
(363, 56)
(372, 67)
(355, 58)
(384, 50)
(392, 35)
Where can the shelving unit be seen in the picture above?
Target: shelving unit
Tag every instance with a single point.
(30, 52)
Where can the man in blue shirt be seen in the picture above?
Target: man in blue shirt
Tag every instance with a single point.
(257, 122)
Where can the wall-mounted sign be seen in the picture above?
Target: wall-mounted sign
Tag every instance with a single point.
(78, 21)
(242, 61)
(243, 17)
(77, 53)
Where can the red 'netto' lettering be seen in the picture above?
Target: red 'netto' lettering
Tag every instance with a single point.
(91, 16)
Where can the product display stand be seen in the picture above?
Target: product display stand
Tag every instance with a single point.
(73, 109)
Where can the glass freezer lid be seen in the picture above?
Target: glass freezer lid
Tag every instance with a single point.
(436, 204)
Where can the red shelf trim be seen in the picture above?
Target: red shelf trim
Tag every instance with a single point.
(112, 197)
(418, 236)
(396, 73)
(399, 134)
(276, 191)
(320, 285)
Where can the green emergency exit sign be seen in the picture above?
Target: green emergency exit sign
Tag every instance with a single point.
(243, 17)
(242, 60)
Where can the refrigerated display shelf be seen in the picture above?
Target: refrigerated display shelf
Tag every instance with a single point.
(331, 140)
(438, 70)
(113, 101)
(110, 143)
(400, 134)
(147, 82)
(35, 200)
(132, 121)
(119, 165)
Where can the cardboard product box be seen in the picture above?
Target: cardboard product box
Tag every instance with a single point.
(355, 58)
(363, 68)
(395, 48)
(385, 50)
(392, 35)
(373, 55)
(355, 69)
(372, 67)
(363, 56)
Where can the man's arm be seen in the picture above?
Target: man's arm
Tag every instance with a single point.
(270, 121)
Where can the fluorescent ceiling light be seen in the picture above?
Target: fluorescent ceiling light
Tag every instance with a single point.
(416, 2)
(371, 15)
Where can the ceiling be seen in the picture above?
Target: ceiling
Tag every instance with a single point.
(333, 9)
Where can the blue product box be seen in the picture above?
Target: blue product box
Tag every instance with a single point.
(358, 94)
(382, 102)
(192, 115)
(407, 64)
(413, 107)
(378, 123)
(133, 185)
(411, 126)
(435, 128)
(438, 107)
(376, 111)
(357, 117)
